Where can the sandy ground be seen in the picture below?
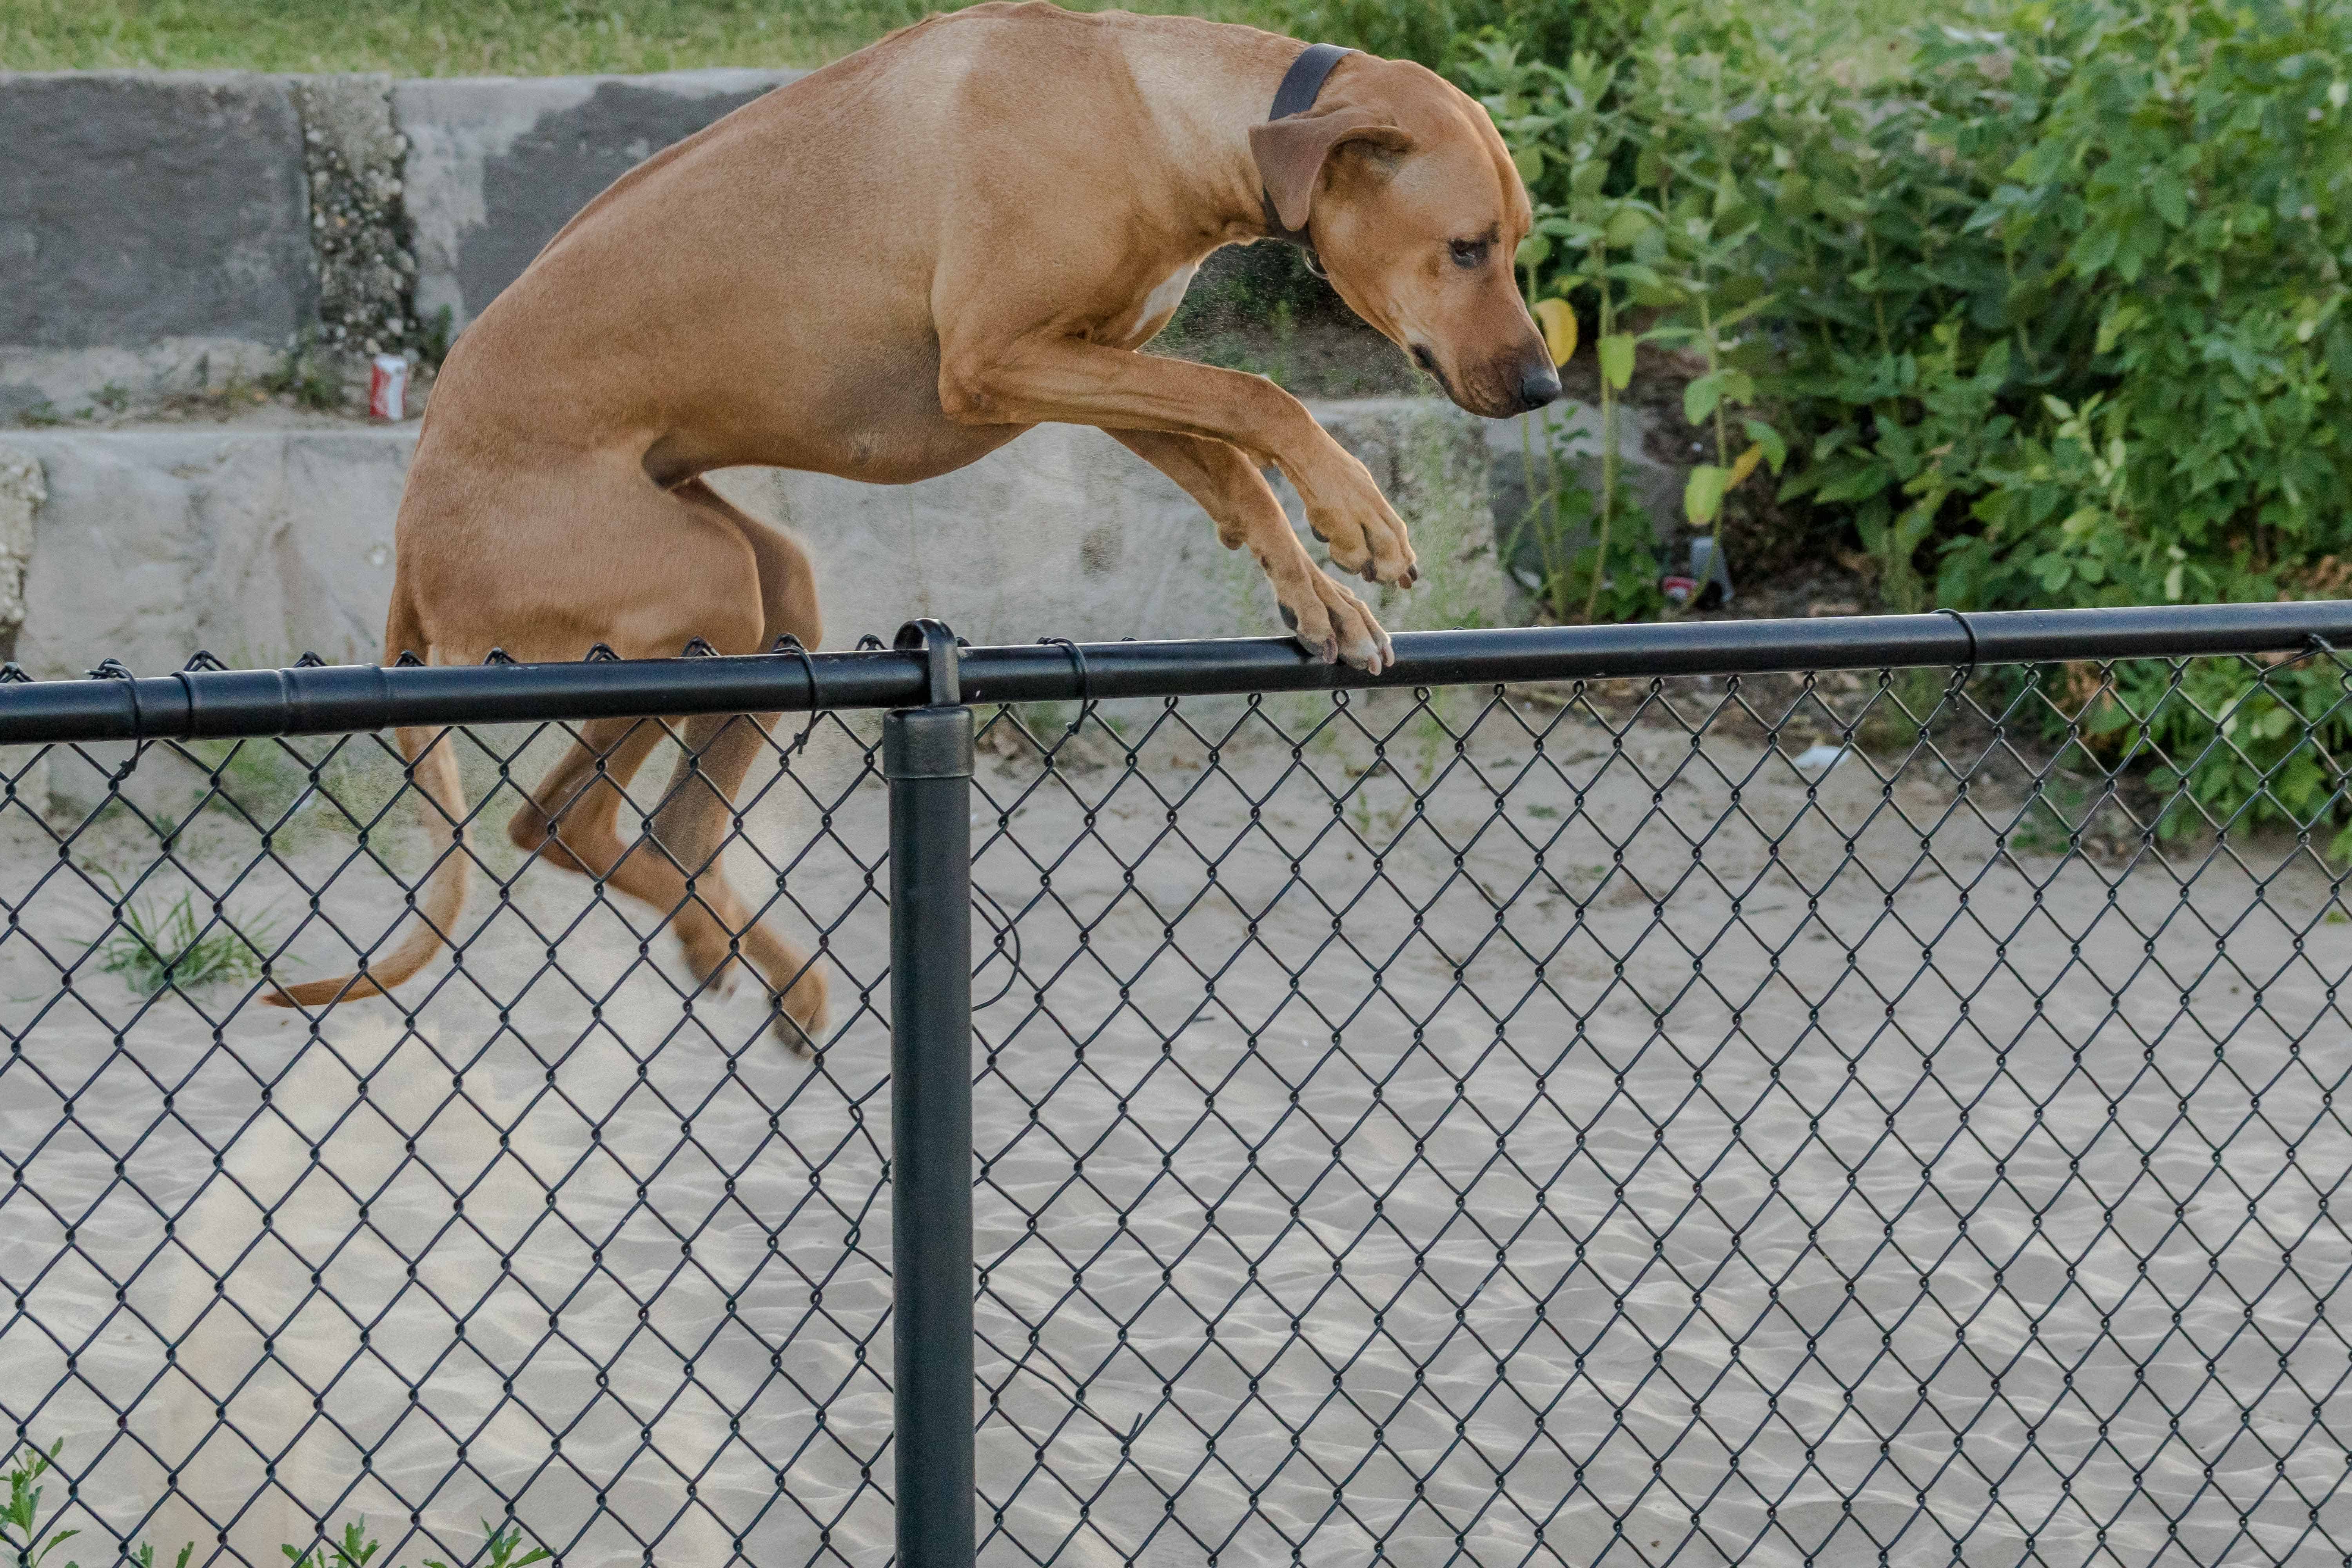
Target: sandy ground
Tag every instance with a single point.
(1573, 1144)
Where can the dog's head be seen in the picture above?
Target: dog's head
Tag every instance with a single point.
(1417, 212)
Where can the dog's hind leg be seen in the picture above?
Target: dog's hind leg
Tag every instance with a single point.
(696, 815)
(690, 831)
(738, 584)
(571, 818)
(788, 605)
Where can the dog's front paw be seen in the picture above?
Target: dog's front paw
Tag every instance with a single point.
(1365, 534)
(1332, 624)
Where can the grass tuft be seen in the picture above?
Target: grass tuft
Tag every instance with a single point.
(178, 947)
(22, 1538)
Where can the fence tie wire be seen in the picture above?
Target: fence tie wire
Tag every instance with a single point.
(1969, 671)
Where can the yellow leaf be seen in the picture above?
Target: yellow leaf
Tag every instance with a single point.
(1745, 465)
(1559, 324)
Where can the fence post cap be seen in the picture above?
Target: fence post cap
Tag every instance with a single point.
(927, 743)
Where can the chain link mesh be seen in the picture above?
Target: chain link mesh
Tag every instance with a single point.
(1844, 1119)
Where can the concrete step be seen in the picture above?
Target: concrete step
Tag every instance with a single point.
(260, 541)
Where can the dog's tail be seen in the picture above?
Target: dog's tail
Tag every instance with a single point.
(433, 766)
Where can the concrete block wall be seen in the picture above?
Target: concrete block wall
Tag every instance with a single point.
(495, 165)
(146, 222)
(161, 232)
(258, 544)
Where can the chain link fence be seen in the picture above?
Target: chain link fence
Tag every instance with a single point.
(1509, 1113)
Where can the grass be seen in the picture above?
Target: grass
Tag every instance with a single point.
(546, 38)
(284, 790)
(469, 37)
(248, 790)
(178, 947)
(25, 1539)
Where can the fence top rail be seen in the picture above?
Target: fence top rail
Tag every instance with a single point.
(321, 699)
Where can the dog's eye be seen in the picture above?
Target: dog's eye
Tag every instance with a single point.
(1469, 252)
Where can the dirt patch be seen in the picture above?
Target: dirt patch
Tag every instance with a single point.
(1377, 1085)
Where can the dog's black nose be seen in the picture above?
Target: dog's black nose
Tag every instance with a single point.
(1539, 384)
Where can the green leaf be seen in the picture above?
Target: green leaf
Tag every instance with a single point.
(2170, 197)
(1859, 485)
(2122, 319)
(2096, 248)
(1703, 493)
(1700, 397)
(1528, 161)
(1776, 450)
(1724, 323)
(1616, 353)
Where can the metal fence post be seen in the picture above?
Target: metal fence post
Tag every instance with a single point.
(927, 757)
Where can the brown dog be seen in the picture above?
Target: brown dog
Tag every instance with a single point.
(883, 271)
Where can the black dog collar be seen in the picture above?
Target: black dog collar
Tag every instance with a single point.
(1300, 86)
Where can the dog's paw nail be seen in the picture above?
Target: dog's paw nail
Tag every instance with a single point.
(1320, 536)
(1330, 650)
(1412, 575)
(1289, 616)
(1370, 573)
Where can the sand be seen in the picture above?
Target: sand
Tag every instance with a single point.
(1591, 1141)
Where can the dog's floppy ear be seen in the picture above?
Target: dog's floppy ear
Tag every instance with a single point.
(1291, 153)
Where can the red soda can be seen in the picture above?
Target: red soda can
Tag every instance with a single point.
(388, 387)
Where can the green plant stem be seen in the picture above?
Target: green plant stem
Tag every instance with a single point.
(1608, 449)
(1878, 295)
(1722, 437)
(1527, 512)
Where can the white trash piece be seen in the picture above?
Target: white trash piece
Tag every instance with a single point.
(1815, 761)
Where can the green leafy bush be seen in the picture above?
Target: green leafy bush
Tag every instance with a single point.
(2233, 744)
(2055, 316)
(1441, 33)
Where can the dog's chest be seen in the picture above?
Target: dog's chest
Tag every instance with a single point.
(1161, 302)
